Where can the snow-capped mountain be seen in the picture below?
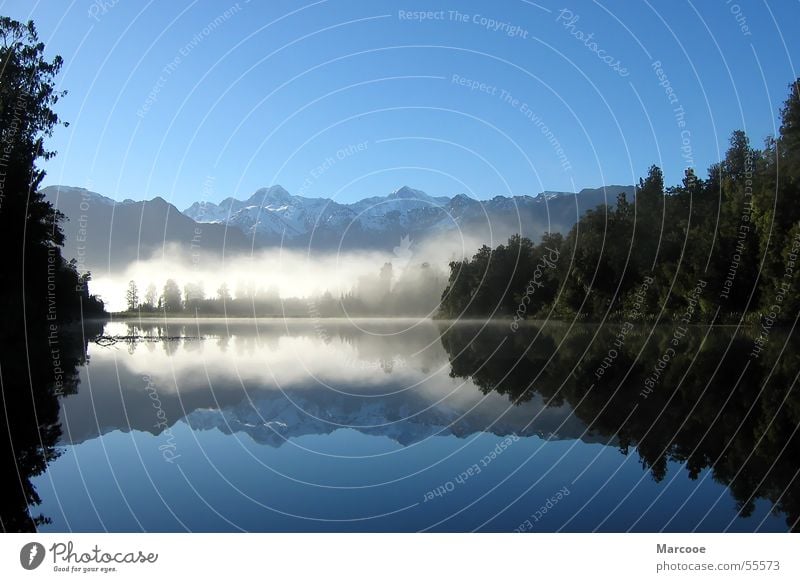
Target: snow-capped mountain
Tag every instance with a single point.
(272, 215)
(106, 235)
(274, 419)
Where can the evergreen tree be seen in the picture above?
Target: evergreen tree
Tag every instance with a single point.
(132, 296)
(736, 233)
(29, 227)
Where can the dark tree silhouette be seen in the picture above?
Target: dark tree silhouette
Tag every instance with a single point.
(41, 293)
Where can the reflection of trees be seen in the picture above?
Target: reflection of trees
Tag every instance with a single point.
(513, 370)
(30, 409)
(712, 408)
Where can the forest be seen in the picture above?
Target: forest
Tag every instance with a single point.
(733, 236)
(721, 249)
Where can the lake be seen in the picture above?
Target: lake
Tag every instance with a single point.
(419, 425)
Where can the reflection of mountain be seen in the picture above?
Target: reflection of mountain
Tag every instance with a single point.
(281, 383)
(711, 407)
(111, 234)
(407, 419)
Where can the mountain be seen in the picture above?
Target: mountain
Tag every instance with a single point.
(105, 235)
(273, 216)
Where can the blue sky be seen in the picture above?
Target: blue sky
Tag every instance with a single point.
(348, 99)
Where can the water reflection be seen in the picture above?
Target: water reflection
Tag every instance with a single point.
(34, 374)
(698, 396)
(332, 425)
(275, 380)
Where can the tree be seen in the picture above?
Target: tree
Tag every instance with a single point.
(775, 199)
(171, 297)
(132, 296)
(150, 298)
(30, 231)
(194, 295)
(738, 232)
(224, 293)
(789, 140)
(38, 287)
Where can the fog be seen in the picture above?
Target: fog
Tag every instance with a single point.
(294, 273)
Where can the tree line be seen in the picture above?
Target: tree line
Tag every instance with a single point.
(407, 290)
(735, 233)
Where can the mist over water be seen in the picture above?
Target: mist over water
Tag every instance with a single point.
(367, 267)
(288, 272)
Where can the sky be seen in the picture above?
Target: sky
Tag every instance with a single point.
(200, 100)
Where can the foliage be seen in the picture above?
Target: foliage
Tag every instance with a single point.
(132, 296)
(36, 282)
(171, 297)
(736, 234)
(41, 292)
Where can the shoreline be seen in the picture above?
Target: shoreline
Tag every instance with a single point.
(176, 317)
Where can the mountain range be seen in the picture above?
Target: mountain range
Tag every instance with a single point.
(107, 235)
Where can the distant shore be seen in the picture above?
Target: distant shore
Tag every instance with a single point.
(615, 320)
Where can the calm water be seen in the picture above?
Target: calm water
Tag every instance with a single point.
(409, 425)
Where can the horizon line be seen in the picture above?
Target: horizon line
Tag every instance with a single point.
(405, 186)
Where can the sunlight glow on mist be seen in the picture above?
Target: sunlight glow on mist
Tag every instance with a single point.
(286, 272)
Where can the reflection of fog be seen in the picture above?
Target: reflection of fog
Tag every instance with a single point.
(284, 353)
(381, 377)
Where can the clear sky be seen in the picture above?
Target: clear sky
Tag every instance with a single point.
(195, 100)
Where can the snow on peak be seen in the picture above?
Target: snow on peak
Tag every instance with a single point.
(274, 213)
(407, 193)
